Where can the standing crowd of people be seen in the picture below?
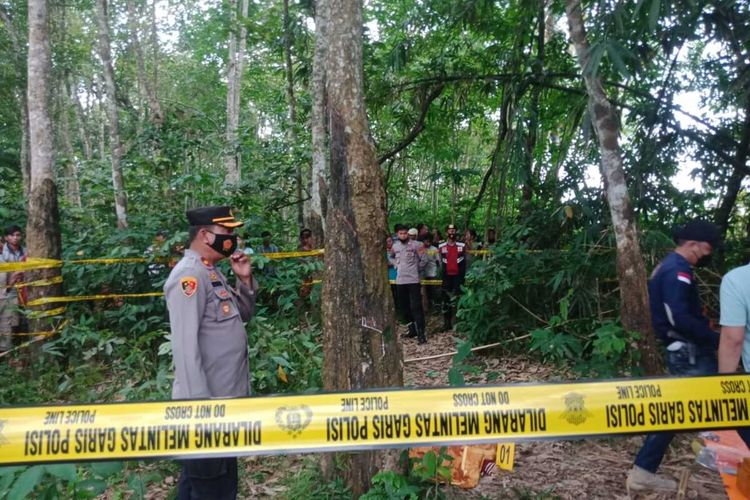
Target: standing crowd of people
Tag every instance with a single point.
(416, 254)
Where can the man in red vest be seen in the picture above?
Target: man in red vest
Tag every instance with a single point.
(453, 256)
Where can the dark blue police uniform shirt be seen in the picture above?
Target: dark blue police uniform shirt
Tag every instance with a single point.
(676, 305)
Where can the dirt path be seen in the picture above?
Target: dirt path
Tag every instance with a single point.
(591, 468)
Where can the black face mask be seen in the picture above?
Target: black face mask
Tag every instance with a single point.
(225, 244)
(703, 261)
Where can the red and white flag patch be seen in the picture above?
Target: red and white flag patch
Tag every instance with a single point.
(685, 277)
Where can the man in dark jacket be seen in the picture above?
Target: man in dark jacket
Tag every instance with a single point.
(678, 321)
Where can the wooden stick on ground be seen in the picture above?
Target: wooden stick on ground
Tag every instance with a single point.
(473, 349)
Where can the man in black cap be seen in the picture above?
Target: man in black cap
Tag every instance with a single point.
(678, 321)
(209, 342)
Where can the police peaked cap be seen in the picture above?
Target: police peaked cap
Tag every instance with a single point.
(699, 230)
(210, 216)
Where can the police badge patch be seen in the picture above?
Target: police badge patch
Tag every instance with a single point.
(294, 419)
(189, 285)
(575, 410)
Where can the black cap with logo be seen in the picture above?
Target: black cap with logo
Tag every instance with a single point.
(209, 216)
(699, 230)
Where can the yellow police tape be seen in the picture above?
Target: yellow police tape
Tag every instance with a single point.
(79, 298)
(45, 314)
(44, 282)
(366, 420)
(51, 263)
(25, 265)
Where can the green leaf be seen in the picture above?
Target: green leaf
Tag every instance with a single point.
(91, 487)
(653, 14)
(613, 52)
(26, 483)
(455, 377)
(66, 472)
(5, 471)
(464, 351)
(596, 51)
(106, 469)
(281, 361)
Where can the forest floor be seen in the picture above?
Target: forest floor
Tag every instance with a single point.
(588, 468)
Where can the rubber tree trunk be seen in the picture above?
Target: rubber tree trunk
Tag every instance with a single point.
(80, 121)
(360, 345)
(19, 52)
(292, 113)
(72, 185)
(145, 84)
(316, 207)
(43, 224)
(631, 270)
(235, 67)
(115, 148)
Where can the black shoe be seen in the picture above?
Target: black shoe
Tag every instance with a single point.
(422, 340)
(447, 327)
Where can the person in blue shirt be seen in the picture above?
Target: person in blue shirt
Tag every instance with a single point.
(678, 321)
(735, 326)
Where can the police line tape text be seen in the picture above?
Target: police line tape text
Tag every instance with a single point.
(441, 424)
(703, 411)
(164, 438)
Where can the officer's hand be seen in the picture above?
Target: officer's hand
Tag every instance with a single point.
(241, 267)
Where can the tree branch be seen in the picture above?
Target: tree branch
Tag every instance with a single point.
(418, 126)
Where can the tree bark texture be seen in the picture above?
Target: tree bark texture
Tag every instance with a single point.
(235, 66)
(144, 83)
(292, 115)
(20, 93)
(80, 121)
(631, 270)
(43, 224)
(72, 185)
(739, 173)
(316, 212)
(118, 184)
(360, 345)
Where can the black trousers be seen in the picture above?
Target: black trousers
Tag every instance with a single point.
(410, 300)
(208, 479)
(451, 292)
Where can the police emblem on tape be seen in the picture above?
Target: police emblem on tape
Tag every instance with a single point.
(294, 419)
(575, 409)
(189, 285)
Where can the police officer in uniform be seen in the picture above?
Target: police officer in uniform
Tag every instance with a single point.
(678, 321)
(209, 342)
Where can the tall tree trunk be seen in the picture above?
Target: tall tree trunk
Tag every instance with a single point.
(80, 121)
(292, 117)
(144, 84)
(43, 224)
(527, 191)
(19, 51)
(360, 345)
(72, 186)
(235, 66)
(118, 184)
(316, 211)
(631, 271)
(739, 173)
